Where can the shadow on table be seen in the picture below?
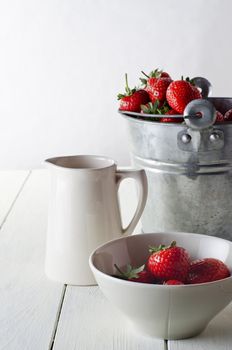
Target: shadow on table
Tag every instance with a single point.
(217, 336)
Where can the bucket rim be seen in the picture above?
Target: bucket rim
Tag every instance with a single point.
(145, 118)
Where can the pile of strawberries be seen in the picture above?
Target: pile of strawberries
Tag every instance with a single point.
(159, 94)
(171, 265)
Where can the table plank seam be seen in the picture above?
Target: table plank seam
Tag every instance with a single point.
(53, 337)
(15, 199)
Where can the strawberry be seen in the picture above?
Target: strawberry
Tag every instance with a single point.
(132, 99)
(156, 85)
(180, 93)
(156, 88)
(196, 92)
(219, 117)
(169, 262)
(173, 282)
(138, 274)
(207, 270)
(172, 112)
(195, 89)
(228, 116)
(165, 75)
(171, 120)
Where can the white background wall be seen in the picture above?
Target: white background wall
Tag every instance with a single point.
(62, 63)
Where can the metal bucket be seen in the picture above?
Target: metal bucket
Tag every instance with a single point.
(189, 169)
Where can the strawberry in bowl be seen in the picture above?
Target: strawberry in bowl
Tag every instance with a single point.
(207, 270)
(172, 265)
(169, 262)
(172, 305)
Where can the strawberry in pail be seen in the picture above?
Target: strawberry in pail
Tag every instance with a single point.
(183, 139)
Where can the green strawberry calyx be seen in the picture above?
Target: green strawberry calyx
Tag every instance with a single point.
(161, 247)
(128, 90)
(153, 108)
(189, 80)
(130, 272)
(153, 74)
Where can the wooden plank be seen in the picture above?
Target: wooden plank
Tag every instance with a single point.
(89, 322)
(217, 336)
(11, 182)
(29, 302)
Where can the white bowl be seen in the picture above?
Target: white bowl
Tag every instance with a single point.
(162, 311)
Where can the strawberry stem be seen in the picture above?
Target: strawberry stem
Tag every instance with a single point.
(173, 244)
(145, 74)
(190, 81)
(118, 269)
(128, 90)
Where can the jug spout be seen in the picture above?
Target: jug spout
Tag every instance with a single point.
(50, 161)
(63, 162)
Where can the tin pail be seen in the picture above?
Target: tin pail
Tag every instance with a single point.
(188, 167)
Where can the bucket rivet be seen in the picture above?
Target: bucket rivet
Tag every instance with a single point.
(214, 137)
(185, 138)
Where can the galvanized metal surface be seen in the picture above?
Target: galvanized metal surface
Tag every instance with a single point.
(189, 171)
(205, 85)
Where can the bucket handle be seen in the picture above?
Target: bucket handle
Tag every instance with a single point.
(207, 113)
(204, 85)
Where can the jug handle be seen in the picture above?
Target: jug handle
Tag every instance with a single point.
(140, 177)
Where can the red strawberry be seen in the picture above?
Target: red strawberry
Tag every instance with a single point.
(143, 277)
(197, 93)
(228, 116)
(169, 262)
(138, 274)
(156, 85)
(179, 94)
(173, 282)
(156, 88)
(207, 270)
(219, 117)
(171, 120)
(165, 75)
(132, 99)
(172, 112)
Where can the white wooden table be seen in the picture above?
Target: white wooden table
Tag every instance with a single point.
(36, 313)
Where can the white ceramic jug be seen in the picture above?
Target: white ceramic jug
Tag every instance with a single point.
(84, 213)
